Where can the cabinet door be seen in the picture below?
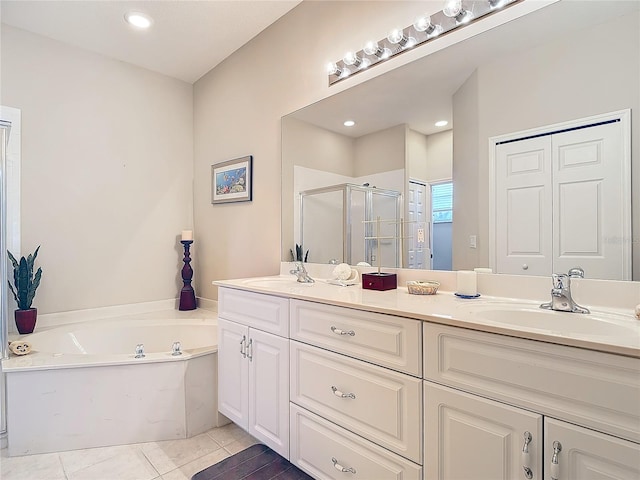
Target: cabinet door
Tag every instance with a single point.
(233, 374)
(470, 437)
(268, 358)
(573, 452)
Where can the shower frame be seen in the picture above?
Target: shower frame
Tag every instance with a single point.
(347, 189)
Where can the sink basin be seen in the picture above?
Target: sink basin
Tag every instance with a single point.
(275, 282)
(596, 324)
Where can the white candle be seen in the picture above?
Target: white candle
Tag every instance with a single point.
(467, 283)
(187, 235)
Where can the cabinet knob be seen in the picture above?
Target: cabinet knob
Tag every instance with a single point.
(526, 456)
(525, 266)
(340, 468)
(555, 464)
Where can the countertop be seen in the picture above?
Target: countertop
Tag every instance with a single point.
(604, 330)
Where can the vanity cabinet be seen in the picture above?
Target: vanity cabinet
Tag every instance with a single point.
(355, 412)
(253, 365)
(467, 436)
(499, 388)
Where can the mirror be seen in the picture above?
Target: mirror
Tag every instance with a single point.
(567, 61)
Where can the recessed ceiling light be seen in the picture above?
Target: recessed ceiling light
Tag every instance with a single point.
(442, 123)
(349, 123)
(137, 19)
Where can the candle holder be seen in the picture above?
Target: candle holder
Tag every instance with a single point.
(187, 294)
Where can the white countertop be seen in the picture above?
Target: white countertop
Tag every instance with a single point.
(614, 331)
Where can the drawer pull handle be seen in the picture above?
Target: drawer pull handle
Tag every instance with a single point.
(250, 349)
(555, 464)
(337, 331)
(526, 456)
(340, 468)
(243, 346)
(338, 393)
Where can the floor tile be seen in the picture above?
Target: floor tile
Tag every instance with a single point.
(75, 460)
(187, 471)
(171, 454)
(227, 434)
(31, 467)
(240, 444)
(130, 465)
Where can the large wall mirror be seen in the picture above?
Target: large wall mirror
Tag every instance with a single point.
(568, 61)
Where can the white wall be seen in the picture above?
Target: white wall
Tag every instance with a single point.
(106, 172)
(237, 110)
(381, 151)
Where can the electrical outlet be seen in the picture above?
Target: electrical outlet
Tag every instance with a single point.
(473, 243)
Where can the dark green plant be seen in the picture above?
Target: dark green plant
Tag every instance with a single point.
(24, 280)
(298, 255)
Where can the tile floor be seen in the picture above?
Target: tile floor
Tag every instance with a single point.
(168, 460)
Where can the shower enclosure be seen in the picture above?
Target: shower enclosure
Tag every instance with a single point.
(339, 224)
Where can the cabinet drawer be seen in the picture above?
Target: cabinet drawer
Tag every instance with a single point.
(594, 389)
(381, 405)
(317, 443)
(392, 342)
(264, 312)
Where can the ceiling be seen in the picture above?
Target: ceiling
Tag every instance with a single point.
(187, 39)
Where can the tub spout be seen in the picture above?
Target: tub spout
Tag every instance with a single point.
(176, 349)
(139, 351)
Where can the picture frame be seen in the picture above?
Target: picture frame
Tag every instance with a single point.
(232, 181)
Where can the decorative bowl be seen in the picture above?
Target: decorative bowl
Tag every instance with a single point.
(422, 288)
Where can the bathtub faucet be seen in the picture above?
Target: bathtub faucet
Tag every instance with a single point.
(139, 351)
(176, 349)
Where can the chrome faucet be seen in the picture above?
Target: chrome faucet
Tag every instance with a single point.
(301, 273)
(561, 299)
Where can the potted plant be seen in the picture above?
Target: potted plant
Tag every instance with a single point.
(25, 283)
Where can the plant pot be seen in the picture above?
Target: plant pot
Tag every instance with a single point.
(26, 320)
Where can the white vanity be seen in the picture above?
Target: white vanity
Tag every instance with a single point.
(352, 383)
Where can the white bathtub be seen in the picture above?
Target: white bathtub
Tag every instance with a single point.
(81, 386)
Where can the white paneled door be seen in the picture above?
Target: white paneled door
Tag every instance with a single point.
(561, 201)
(418, 245)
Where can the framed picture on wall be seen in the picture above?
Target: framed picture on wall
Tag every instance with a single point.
(232, 181)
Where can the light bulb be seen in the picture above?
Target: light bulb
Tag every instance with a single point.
(452, 8)
(349, 123)
(423, 24)
(497, 3)
(351, 58)
(372, 48)
(441, 123)
(397, 36)
(333, 69)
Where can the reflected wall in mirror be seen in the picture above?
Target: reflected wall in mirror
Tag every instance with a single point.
(567, 61)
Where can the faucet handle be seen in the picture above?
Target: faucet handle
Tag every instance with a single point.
(560, 281)
(576, 272)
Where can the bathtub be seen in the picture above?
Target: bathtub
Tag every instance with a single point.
(82, 386)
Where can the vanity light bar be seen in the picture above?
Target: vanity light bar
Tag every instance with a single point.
(423, 30)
